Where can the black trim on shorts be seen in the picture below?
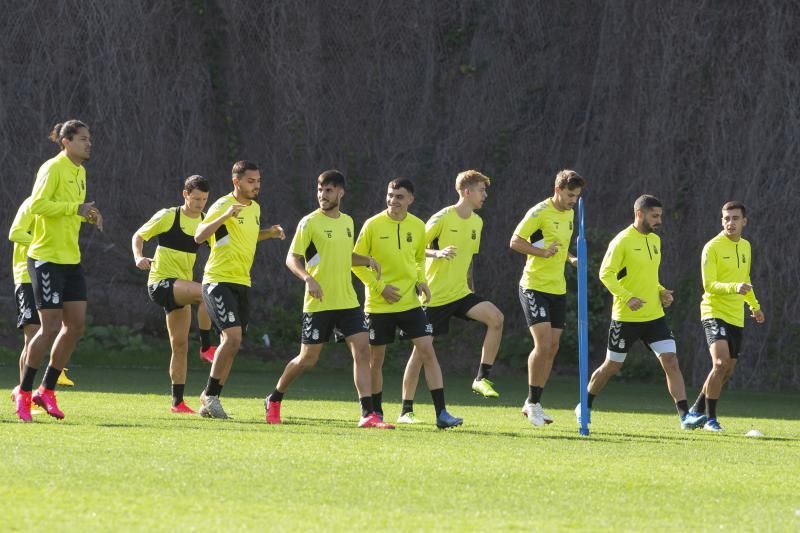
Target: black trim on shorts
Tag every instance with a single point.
(163, 293)
(317, 327)
(539, 307)
(228, 305)
(717, 329)
(54, 283)
(26, 306)
(412, 323)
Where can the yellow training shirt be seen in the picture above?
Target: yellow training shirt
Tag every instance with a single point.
(399, 247)
(234, 246)
(326, 244)
(172, 260)
(59, 190)
(447, 278)
(725, 264)
(20, 235)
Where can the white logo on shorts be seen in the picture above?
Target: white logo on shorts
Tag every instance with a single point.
(372, 334)
(27, 313)
(315, 334)
(542, 312)
(429, 328)
(231, 317)
(56, 298)
(621, 344)
(722, 331)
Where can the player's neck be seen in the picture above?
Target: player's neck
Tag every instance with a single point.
(556, 204)
(463, 208)
(331, 213)
(734, 238)
(188, 212)
(641, 229)
(77, 161)
(240, 198)
(399, 216)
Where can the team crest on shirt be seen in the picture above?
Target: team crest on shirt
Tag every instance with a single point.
(258, 220)
(655, 249)
(570, 225)
(349, 233)
(474, 235)
(409, 238)
(744, 259)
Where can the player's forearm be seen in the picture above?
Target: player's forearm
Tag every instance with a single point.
(360, 260)
(19, 236)
(369, 278)
(296, 266)
(206, 230)
(518, 244)
(609, 279)
(137, 244)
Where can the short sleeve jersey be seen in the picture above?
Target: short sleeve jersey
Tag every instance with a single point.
(326, 244)
(59, 190)
(399, 247)
(21, 235)
(630, 269)
(167, 262)
(544, 224)
(725, 264)
(447, 278)
(234, 246)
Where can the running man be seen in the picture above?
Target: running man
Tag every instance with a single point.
(453, 237)
(544, 235)
(630, 272)
(234, 220)
(396, 239)
(322, 256)
(726, 264)
(54, 264)
(170, 283)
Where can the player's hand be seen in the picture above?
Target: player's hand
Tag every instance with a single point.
(314, 288)
(743, 288)
(425, 291)
(448, 253)
(758, 316)
(551, 250)
(91, 214)
(143, 263)
(234, 210)
(666, 298)
(634, 304)
(276, 232)
(573, 261)
(391, 294)
(374, 265)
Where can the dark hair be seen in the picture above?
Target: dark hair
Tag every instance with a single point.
(569, 179)
(734, 204)
(196, 182)
(646, 202)
(402, 183)
(240, 167)
(331, 177)
(66, 130)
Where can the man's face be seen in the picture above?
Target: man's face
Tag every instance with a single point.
(248, 184)
(476, 195)
(733, 222)
(566, 198)
(80, 147)
(398, 200)
(651, 219)
(329, 196)
(195, 201)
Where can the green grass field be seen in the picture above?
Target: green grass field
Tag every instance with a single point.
(121, 461)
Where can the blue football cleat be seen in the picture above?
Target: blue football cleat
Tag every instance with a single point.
(446, 420)
(693, 420)
(713, 425)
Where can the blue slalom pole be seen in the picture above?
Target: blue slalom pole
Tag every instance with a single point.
(583, 323)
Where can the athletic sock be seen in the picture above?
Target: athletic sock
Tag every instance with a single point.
(366, 405)
(275, 396)
(50, 377)
(712, 407)
(213, 387)
(377, 406)
(534, 394)
(590, 399)
(438, 400)
(700, 404)
(682, 407)
(205, 339)
(177, 393)
(408, 407)
(483, 371)
(27, 379)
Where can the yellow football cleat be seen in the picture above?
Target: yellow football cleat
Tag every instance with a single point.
(64, 380)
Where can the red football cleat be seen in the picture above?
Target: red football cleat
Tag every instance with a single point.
(273, 412)
(183, 409)
(373, 420)
(208, 354)
(46, 399)
(23, 401)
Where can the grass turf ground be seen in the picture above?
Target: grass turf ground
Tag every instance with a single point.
(120, 460)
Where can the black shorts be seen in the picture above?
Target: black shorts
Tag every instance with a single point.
(162, 293)
(26, 306)
(54, 284)
(439, 316)
(228, 305)
(412, 323)
(718, 330)
(656, 334)
(543, 307)
(317, 327)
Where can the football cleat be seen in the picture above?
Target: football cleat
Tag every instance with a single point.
(182, 408)
(46, 399)
(535, 414)
(208, 354)
(372, 420)
(578, 415)
(693, 420)
(408, 418)
(211, 407)
(64, 380)
(22, 400)
(713, 425)
(273, 410)
(485, 388)
(445, 420)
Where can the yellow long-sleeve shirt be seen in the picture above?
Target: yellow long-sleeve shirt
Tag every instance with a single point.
(725, 264)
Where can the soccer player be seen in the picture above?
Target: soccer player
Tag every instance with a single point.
(235, 222)
(453, 237)
(396, 239)
(726, 264)
(543, 235)
(170, 284)
(630, 272)
(322, 256)
(59, 286)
